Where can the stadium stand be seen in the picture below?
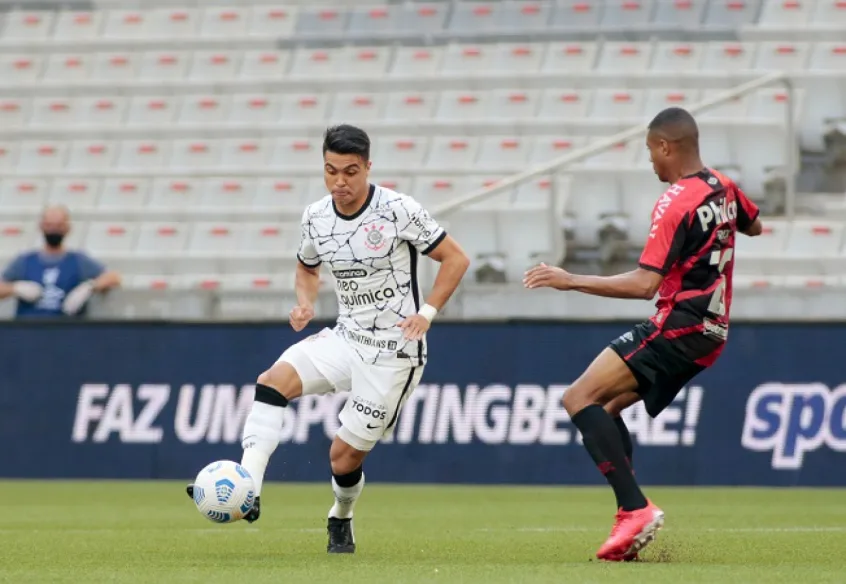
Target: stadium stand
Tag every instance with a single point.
(185, 137)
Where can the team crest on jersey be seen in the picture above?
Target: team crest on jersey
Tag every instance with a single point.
(374, 239)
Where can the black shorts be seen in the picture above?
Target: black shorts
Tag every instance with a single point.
(660, 368)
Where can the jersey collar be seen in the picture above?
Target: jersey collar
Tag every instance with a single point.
(358, 213)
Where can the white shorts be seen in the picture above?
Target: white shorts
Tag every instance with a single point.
(326, 364)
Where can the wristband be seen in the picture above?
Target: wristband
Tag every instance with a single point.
(428, 312)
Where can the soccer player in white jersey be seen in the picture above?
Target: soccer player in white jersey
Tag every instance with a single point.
(369, 238)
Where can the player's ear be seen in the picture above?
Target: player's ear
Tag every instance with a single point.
(369, 164)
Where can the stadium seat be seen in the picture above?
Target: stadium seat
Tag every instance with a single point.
(194, 154)
(74, 193)
(576, 15)
(68, 67)
(513, 104)
(618, 56)
(533, 195)
(398, 183)
(626, 14)
(373, 20)
(28, 194)
(567, 104)
(42, 155)
(271, 239)
(659, 99)
(620, 156)
(423, 17)
(782, 56)
(675, 57)
(125, 24)
(814, 239)
(254, 108)
(214, 65)
(433, 192)
(18, 68)
(729, 14)
(172, 23)
(470, 17)
(771, 104)
(640, 190)
(452, 152)
(222, 22)
(831, 13)
(682, 13)
(102, 111)
(465, 59)
(623, 106)
(296, 153)
(230, 192)
(321, 20)
(92, 155)
(272, 21)
(73, 25)
(548, 148)
(570, 57)
(592, 194)
(53, 112)
(178, 193)
(14, 112)
(265, 64)
(362, 107)
(152, 110)
(785, 13)
(417, 61)
(736, 107)
(524, 15)
(304, 107)
(124, 194)
(111, 237)
(728, 57)
(503, 152)
(406, 106)
(17, 236)
(161, 238)
(164, 65)
(496, 202)
(27, 25)
(282, 193)
(462, 105)
(399, 152)
(243, 153)
(750, 252)
(203, 110)
(9, 154)
(518, 57)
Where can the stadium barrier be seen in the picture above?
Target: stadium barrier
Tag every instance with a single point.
(160, 400)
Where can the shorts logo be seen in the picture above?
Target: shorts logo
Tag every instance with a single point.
(375, 240)
(369, 409)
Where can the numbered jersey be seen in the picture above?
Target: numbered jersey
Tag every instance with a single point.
(691, 243)
(373, 258)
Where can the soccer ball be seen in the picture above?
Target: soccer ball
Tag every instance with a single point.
(224, 491)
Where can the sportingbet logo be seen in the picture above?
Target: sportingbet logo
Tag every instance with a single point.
(434, 414)
(793, 419)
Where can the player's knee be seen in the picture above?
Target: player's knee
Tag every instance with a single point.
(581, 395)
(283, 378)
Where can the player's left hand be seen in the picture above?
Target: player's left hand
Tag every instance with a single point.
(544, 276)
(415, 327)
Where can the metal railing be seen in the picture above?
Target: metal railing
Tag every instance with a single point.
(555, 166)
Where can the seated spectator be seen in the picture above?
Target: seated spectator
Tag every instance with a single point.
(54, 281)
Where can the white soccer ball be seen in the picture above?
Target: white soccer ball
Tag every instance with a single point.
(224, 491)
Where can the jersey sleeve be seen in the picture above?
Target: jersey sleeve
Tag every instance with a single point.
(665, 241)
(747, 211)
(307, 253)
(89, 268)
(416, 226)
(16, 270)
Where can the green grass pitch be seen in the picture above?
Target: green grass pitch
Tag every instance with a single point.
(150, 532)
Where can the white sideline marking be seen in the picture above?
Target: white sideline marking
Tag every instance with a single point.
(208, 530)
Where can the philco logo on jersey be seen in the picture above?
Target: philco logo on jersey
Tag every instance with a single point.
(374, 239)
(716, 213)
(349, 274)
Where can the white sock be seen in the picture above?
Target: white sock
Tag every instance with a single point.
(345, 498)
(260, 439)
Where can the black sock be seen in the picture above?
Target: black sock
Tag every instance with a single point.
(350, 479)
(605, 445)
(268, 395)
(628, 448)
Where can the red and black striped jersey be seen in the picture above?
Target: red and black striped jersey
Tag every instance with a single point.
(691, 244)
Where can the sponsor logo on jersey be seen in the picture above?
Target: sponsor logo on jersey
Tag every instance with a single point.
(349, 274)
(715, 329)
(370, 341)
(362, 298)
(716, 213)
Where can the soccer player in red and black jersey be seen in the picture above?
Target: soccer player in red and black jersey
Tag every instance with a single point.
(688, 261)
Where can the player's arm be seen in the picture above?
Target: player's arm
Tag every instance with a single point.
(12, 283)
(454, 263)
(423, 232)
(639, 283)
(748, 215)
(306, 278)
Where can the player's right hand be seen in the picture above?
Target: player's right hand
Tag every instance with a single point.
(300, 317)
(27, 290)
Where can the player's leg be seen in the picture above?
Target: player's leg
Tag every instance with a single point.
(371, 412)
(614, 408)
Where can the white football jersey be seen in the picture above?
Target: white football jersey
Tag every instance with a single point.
(373, 258)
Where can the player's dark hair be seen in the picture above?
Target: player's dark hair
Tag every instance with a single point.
(675, 124)
(346, 139)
